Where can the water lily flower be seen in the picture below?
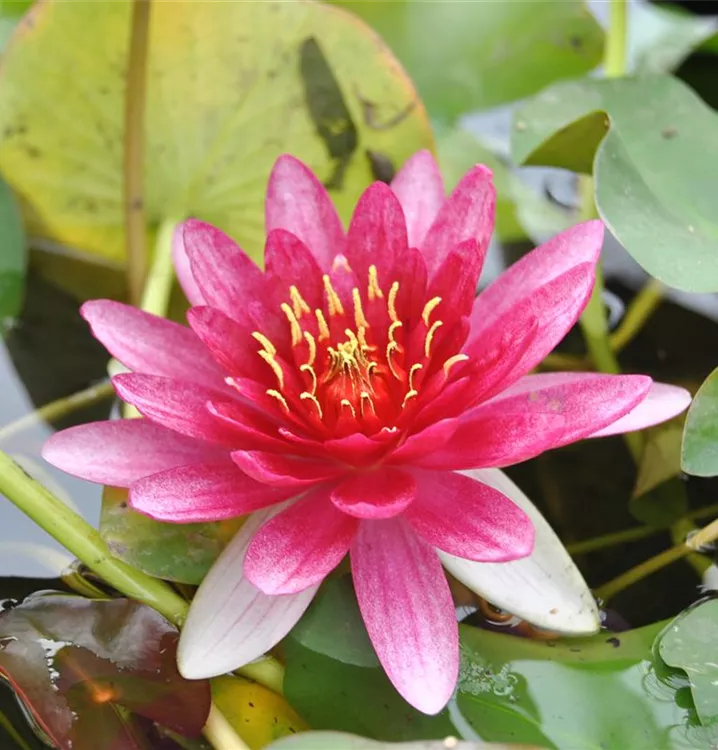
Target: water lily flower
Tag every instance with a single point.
(355, 396)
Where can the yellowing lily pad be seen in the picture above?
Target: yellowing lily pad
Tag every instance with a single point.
(176, 552)
(230, 87)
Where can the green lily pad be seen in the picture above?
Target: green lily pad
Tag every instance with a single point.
(690, 642)
(176, 552)
(477, 55)
(650, 143)
(230, 87)
(699, 454)
(343, 741)
(13, 254)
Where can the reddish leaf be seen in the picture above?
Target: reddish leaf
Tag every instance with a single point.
(89, 670)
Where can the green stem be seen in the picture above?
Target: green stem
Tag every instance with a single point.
(158, 287)
(57, 409)
(135, 227)
(639, 311)
(614, 59)
(266, 671)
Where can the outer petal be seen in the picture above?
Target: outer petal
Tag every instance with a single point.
(230, 622)
(299, 203)
(408, 610)
(202, 492)
(545, 588)
(663, 402)
(375, 494)
(300, 546)
(183, 269)
(121, 451)
(468, 213)
(284, 471)
(459, 515)
(151, 345)
(420, 189)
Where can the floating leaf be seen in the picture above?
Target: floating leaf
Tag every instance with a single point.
(230, 87)
(86, 670)
(12, 254)
(689, 643)
(700, 440)
(11, 12)
(466, 56)
(177, 552)
(342, 741)
(258, 714)
(583, 694)
(654, 169)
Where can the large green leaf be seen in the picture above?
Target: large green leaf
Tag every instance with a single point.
(471, 55)
(700, 440)
(343, 741)
(230, 87)
(689, 643)
(650, 143)
(181, 552)
(599, 693)
(12, 254)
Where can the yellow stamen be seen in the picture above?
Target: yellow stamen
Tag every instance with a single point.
(454, 360)
(392, 346)
(359, 317)
(298, 302)
(312, 344)
(411, 394)
(346, 402)
(412, 371)
(391, 301)
(306, 396)
(370, 368)
(312, 375)
(293, 323)
(322, 323)
(429, 308)
(393, 327)
(335, 304)
(374, 288)
(265, 342)
(276, 394)
(366, 400)
(276, 368)
(430, 335)
(352, 337)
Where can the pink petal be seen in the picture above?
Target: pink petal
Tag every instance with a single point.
(470, 519)
(228, 278)
(539, 413)
(468, 213)
(300, 546)
(420, 189)
(299, 203)
(288, 261)
(456, 279)
(426, 441)
(284, 471)
(230, 622)
(382, 493)
(151, 345)
(410, 271)
(377, 232)
(663, 402)
(202, 492)
(253, 430)
(179, 406)
(408, 610)
(183, 269)
(122, 451)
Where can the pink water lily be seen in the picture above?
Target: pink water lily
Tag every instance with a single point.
(345, 397)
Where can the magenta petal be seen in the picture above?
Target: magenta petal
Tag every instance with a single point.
(456, 279)
(228, 278)
(183, 269)
(377, 232)
(151, 345)
(426, 441)
(375, 494)
(300, 546)
(408, 610)
(282, 470)
(468, 213)
(202, 492)
(299, 203)
(121, 451)
(420, 189)
(469, 519)
(289, 262)
(174, 404)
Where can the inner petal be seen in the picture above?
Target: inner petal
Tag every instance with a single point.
(376, 494)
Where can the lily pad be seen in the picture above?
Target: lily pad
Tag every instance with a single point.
(700, 440)
(13, 254)
(689, 643)
(342, 741)
(650, 145)
(230, 87)
(477, 55)
(87, 670)
(175, 552)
